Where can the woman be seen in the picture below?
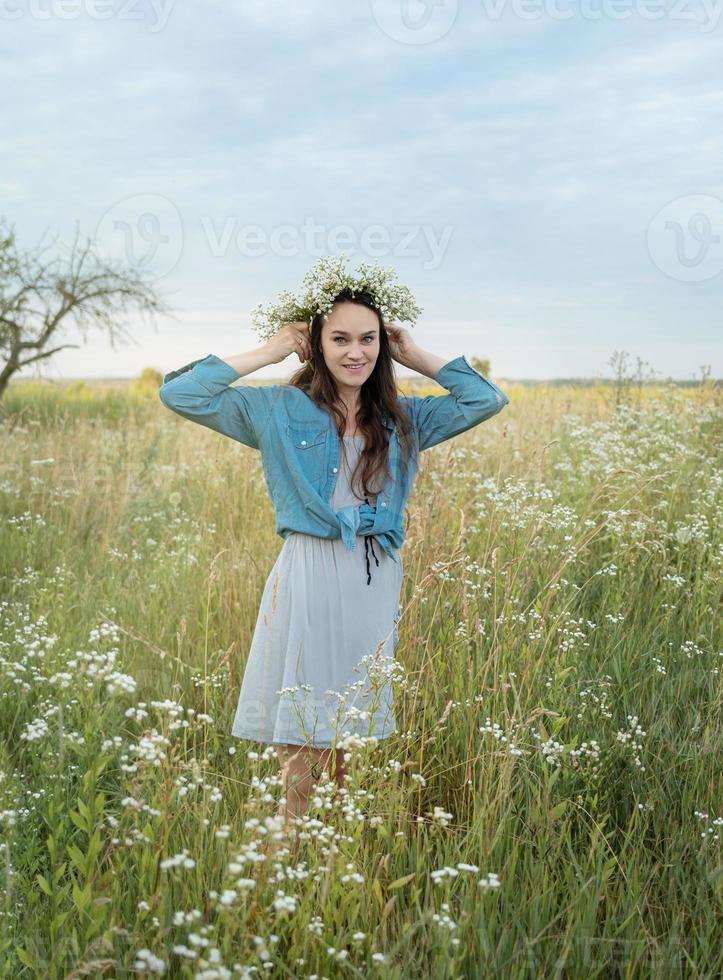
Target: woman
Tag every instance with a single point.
(339, 450)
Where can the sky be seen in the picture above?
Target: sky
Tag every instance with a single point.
(545, 175)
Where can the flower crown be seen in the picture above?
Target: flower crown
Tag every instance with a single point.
(323, 282)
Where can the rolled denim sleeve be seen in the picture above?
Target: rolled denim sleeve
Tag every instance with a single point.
(472, 399)
(201, 392)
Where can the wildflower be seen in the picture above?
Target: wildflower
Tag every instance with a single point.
(323, 282)
(442, 873)
(285, 903)
(148, 962)
(178, 860)
(445, 919)
(316, 925)
(441, 817)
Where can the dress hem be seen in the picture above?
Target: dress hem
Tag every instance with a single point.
(311, 745)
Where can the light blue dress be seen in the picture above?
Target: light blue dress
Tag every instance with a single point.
(322, 655)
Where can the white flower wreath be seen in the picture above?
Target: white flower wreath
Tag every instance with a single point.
(323, 282)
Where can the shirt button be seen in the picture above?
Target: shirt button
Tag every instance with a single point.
(384, 503)
(335, 470)
(303, 442)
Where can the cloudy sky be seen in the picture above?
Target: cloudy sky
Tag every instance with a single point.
(546, 175)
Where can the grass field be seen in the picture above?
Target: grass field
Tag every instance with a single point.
(553, 801)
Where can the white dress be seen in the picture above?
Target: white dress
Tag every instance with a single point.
(322, 654)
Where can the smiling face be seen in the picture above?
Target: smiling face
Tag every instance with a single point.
(350, 344)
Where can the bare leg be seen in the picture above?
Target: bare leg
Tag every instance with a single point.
(301, 768)
(340, 769)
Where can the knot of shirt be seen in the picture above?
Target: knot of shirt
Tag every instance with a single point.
(358, 520)
(355, 520)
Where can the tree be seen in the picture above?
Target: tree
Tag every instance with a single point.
(481, 364)
(41, 297)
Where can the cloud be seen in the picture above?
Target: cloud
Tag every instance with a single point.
(546, 146)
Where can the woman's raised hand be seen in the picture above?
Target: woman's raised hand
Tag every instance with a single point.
(292, 338)
(401, 344)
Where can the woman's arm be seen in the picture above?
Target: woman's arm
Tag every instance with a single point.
(201, 392)
(472, 398)
(251, 360)
(423, 362)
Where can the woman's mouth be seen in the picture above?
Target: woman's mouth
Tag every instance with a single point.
(353, 367)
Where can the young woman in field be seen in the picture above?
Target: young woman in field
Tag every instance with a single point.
(339, 450)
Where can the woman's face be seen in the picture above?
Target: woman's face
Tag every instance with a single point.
(350, 336)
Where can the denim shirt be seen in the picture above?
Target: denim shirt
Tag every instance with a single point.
(300, 448)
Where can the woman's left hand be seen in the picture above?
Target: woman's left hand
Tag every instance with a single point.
(401, 344)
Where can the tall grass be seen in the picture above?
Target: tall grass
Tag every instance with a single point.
(552, 803)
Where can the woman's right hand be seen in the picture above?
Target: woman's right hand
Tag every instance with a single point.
(292, 338)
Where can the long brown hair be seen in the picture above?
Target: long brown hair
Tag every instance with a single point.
(378, 397)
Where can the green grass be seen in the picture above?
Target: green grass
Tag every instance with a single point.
(559, 709)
